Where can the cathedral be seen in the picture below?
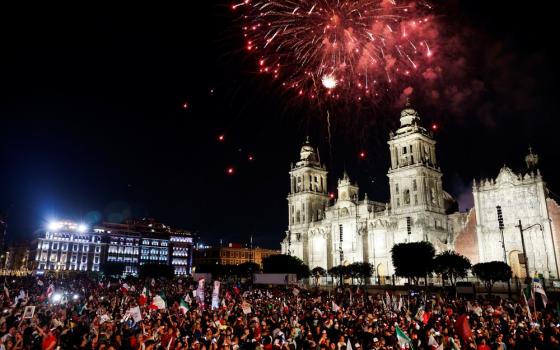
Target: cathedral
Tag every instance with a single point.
(356, 229)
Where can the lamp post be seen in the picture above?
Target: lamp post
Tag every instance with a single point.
(521, 229)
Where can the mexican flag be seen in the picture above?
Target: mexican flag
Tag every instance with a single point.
(538, 288)
(158, 302)
(143, 296)
(402, 338)
(183, 306)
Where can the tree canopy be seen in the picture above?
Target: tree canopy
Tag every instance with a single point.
(282, 263)
(452, 265)
(492, 272)
(413, 260)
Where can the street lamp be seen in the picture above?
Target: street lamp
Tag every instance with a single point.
(521, 229)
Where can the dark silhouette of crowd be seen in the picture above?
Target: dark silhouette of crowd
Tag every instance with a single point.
(86, 313)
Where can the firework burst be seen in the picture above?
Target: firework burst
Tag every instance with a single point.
(339, 49)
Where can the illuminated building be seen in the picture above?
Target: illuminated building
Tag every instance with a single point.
(69, 246)
(181, 251)
(130, 244)
(325, 231)
(234, 254)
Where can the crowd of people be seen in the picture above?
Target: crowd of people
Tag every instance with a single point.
(86, 313)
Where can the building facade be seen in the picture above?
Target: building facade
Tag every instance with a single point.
(70, 246)
(521, 199)
(181, 248)
(234, 254)
(356, 229)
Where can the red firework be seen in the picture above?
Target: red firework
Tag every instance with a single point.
(339, 49)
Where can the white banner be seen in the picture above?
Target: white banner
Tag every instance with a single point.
(216, 295)
(246, 308)
(136, 314)
(200, 291)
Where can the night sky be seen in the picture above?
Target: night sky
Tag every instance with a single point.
(93, 126)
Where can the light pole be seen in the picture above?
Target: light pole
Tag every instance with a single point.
(521, 229)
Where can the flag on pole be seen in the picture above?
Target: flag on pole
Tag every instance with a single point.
(50, 290)
(527, 293)
(462, 327)
(335, 307)
(538, 288)
(158, 302)
(183, 306)
(143, 298)
(402, 338)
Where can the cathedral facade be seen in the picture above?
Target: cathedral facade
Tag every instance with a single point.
(356, 229)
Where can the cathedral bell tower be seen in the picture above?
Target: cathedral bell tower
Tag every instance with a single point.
(414, 175)
(307, 200)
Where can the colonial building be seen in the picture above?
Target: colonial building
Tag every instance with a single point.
(503, 205)
(233, 254)
(71, 246)
(68, 246)
(356, 229)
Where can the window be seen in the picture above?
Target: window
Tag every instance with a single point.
(406, 196)
(84, 258)
(404, 150)
(414, 187)
(75, 248)
(65, 247)
(415, 200)
(98, 249)
(397, 188)
(55, 246)
(398, 202)
(85, 248)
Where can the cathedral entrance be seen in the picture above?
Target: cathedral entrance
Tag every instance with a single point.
(516, 262)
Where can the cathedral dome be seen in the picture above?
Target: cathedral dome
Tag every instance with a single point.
(308, 152)
(409, 116)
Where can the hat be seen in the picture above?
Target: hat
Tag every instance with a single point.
(375, 340)
(357, 345)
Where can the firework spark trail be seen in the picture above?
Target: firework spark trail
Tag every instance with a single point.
(379, 42)
(329, 135)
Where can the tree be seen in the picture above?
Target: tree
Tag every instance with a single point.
(247, 269)
(317, 273)
(361, 270)
(339, 271)
(413, 260)
(452, 265)
(155, 271)
(282, 263)
(492, 272)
